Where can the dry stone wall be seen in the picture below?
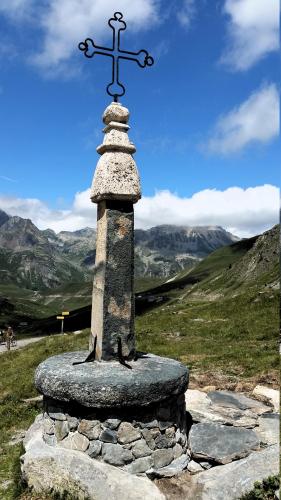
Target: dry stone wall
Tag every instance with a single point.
(135, 439)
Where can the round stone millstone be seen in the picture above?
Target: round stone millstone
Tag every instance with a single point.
(110, 384)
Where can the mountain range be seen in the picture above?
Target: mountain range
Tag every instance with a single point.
(41, 259)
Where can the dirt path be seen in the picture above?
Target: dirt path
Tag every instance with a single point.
(20, 344)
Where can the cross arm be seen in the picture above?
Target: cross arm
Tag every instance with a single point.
(90, 48)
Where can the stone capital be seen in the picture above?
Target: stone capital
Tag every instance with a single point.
(116, 176)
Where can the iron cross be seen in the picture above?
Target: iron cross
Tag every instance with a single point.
(115, 88)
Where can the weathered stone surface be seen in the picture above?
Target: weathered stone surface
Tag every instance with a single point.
(149, 435)
(149, 425)
(194, 467)
(234, 480)
(90, 428)
(177, 450)
(169, 432)
(45, 469)
(49, 426)
(108, 436)
(139, 465)
(164, 425)
(140, 449)
(163, 457)
(112, 423)
(116, 175)
(94, 448)
(271, 395)
(115, 454)
(73, 423)
(220, 443)
(174, 468)
(50, 439)
(113, 294)
(200, 406)
(127, 433)
(110, 384)
(163, 441)
(269, 428)
(115, 112)
(75, 441)
(57, 415)
(237, 401)
(61, 429)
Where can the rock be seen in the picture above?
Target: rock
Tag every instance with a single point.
(237, 401)
(149, 435)
(75, 441)
(110, 384)
(37, 426)
(180, 438)
(163, 442)
(201, 408)
(170, 432)
(112, 423)
(49, 426)
(58, 470)
(234, 480)
(178, 451)
(108, 436)
(94, 448)
(6, 484)
(149, 425)
(73, 423)
(194, 467)
(161, 458)
(174, 468)
(220, 443)
(90, 428)
(164, 425)
(127, 433)
(139, 465)
(140, 449)
(269, 428)
(56, 415)
(50, 439)
(271, 395)
(61, 429)
(115, 454)
(206, 465)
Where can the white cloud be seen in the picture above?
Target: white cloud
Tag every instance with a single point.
(253, 31)
(254, 121)
(243, 212)
(16, 9)
(67, 22)
(186, 13)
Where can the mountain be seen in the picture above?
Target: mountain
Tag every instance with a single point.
(238, 281)
(36, 259)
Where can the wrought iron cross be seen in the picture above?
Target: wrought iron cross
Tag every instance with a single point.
(115, 88)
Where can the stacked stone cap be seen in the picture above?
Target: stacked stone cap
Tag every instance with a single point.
(116, 176)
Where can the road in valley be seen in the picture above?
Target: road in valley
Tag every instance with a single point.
(20, 344)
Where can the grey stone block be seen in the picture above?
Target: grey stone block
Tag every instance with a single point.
(90, 428)
(140, 449)
(174, 468)
(163, 457)
(61, 429)
(115, 454)
(220, 443)
(94, 448)
(108, 436)
(140, 465)
(112, 423)
(127, 433)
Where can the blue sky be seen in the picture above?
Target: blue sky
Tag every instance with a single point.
(204, 118)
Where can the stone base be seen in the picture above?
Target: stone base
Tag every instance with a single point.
(131, 417)
(136, 439)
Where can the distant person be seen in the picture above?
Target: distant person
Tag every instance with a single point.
(9, 337)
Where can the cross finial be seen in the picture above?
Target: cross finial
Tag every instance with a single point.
(116, 89)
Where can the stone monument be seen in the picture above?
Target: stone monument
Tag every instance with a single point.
(112, 402)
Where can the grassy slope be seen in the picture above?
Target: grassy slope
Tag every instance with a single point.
(16, 383)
